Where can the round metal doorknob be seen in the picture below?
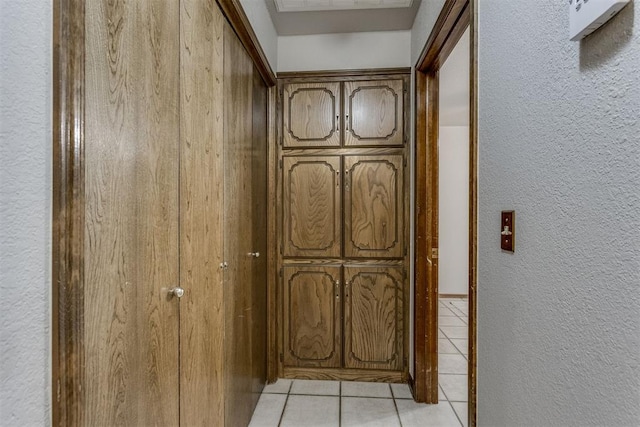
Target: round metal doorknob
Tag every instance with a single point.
(178, 292)
(254, 254)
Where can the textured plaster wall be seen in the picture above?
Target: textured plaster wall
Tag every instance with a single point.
(262, 25)
(559, 141)
(345, 51)
(25, 200)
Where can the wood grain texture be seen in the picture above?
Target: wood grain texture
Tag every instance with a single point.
(131, 250)
(345, 75)
(259, 189)
(312, 330)
(440, 42)
(311, 114)
(374, 206)
(201, 219)
(373, 318)
(272, 239)
(342, 374)
(68, 225)
(312, 206)
(238, 213)
(374, 113)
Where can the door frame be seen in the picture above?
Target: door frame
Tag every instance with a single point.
(68, 222)
(455, 17)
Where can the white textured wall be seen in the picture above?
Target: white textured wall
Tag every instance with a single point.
(453, 222)
(258, 14)
(25, 211)
(381, 49)
(559, 138)
(423, 24)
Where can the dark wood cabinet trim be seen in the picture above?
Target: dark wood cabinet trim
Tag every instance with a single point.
(68, 212)
(235, 14)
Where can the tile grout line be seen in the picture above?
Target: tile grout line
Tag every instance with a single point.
(285, 404)
(339, 403)
(395, 404)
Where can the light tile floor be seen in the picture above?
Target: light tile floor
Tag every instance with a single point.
(300, 403)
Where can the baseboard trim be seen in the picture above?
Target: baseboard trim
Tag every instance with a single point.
(345, 375)
(461, 296)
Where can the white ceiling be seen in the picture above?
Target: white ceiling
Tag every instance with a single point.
(454, 85)
(341, 16)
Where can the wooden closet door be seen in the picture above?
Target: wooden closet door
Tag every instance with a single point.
(374, 113)
(312, 206)
(374, 317)
(130, 323)
(311, 114)
(312, 330)
(238, 232)
(374, 200)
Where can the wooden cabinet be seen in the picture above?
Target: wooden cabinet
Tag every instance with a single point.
(374, 214)
(312, 206)
(312, 331)
(311, 115)
(374, 113)
(343, 218)
(373, 317)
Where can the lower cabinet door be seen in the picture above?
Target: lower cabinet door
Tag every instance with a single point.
(312, 332)
(374, 317)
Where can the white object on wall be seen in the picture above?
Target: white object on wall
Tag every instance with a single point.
(586, 16)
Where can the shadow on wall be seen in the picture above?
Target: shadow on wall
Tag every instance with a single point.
(604, 44)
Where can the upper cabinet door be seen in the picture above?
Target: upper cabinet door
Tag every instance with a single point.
(311, 114)
(374, 113)
(311, 201)
(374, 200)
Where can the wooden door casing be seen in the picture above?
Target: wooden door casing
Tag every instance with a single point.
(374, 206)
(311, 114)
(374, 113)
(130, 366)
(374, 319)
(312, 329)
(312, 206)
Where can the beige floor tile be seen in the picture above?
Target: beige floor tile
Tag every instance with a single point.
(369, 412)
(454, 386)
(461, 412)
(455, 331)
(323, 388)
(444, 311)
(450, 321)
(452, 364)
(311, 411)
(401, 391)
(446, 347)
(281, 386)
(414, 414)
(269, 410)
(461, 345)
(364, 389)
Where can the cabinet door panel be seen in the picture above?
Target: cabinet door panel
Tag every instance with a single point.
(374, 200)
(374, 113)
(312, 317)
(311, 206)
(311, 115)
(374, 317)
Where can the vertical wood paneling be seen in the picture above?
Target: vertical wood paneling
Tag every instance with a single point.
(131, 242)
(312, 330)
(238, 239)
(311, 115)
(201, 178)
(373, 317)
(312, 206)
(374, 112)
(374, 206)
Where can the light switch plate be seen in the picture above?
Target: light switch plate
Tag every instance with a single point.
(508, 231)
(586, 16)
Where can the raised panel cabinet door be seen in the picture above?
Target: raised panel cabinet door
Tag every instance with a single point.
(311, 206)
(374, 206)
(374, 113)
(374, 317)
(311, 115)
(312, 317)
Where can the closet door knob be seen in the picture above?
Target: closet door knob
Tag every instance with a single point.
(177, 292)
(254, 254)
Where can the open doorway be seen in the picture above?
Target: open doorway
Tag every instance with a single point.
(446, 212)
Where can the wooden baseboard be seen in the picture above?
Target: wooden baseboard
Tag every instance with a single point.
(461, 296)
(345, 375)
